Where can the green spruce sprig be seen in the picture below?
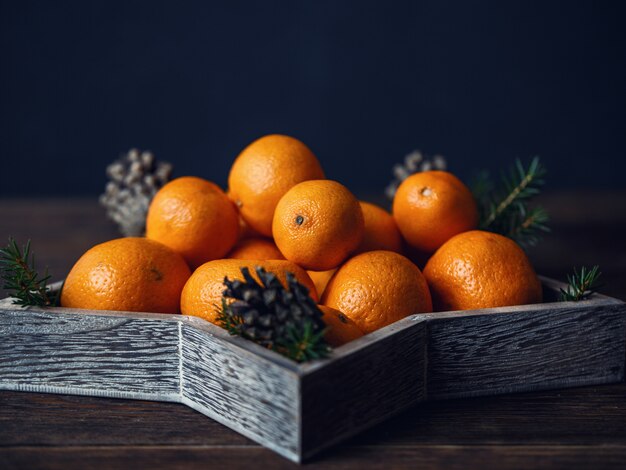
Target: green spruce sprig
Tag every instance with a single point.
(304, 343)
(20, 276)
(284, 319)
(581, 284)
(506, 209)
(527, 225)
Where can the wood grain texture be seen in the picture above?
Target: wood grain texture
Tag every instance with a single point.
(88, 354)
(577, 416)
(366, 383)
(357, 457)
(68, 420)
(549, 346)
(248, 393)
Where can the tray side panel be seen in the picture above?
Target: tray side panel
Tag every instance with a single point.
(244, 391)
(359, 390)
(521, 351)
(88, 355)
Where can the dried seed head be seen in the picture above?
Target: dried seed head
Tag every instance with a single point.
(134, 179)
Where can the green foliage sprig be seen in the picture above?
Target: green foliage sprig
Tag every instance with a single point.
(505, 208)
(20, 276)
(304, 343)
(284, 319)
(581, 284)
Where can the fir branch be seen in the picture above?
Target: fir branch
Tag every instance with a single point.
(303, 344)
(505, 209)
(526, 227)
(20, 276)
(519, 185)
(581, 284)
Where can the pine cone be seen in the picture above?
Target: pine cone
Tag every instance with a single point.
(414, 162)
(134, 180)
(286, 320)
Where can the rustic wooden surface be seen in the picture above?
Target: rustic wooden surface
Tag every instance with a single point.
(240, 397)
(92, 362)
(352, 392)
(530, 347)
(583, 427)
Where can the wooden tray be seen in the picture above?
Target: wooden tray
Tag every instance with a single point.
(297, 410)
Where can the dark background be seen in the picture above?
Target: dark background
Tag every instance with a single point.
(361, 82)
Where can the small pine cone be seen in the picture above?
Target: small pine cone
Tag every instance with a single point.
(414, 162)
(267, 309)
(134, 179)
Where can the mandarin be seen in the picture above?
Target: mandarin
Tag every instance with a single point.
(317, 224)
(255, 248)
(320, 279)
(128, 274)
(431, 207)
(202, 294)
(195, 218)
(479, 269)
(377, 288)
(339, 328)
(264, 171)
(245, 231)
(380, 230)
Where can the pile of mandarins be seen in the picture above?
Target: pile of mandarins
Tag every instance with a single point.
(359, 261)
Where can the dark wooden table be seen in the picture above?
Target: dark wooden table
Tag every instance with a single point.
(582, 427)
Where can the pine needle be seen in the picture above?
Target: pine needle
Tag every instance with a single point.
(581, 284)
(526, 227)
(303, 344)
(505, 208)
(19, 276)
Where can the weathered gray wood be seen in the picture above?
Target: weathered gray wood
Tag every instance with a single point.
(372, 379)
(247, 392)
(494, 352)
(99, 354)
(297, 410)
